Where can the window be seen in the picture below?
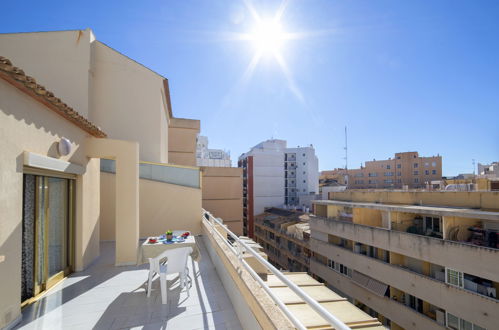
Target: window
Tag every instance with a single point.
(303, 155)
(399, 165)
(304, 181)
(416, 172)
(388, 167)
(433, 171)
(303, 163)
(388, 181)
(399, 173)
(454, 277)
(303, 172)
(373, 181)
(388, 173)
(426, 164)
(330, 263)
(304, 190)
(426, 172)
(416, 180)
(415, 165)
(433, 226)
(358, 175)
(454, 322)
(373, 174)
(433, 164)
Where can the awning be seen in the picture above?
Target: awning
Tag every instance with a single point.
(369, 283)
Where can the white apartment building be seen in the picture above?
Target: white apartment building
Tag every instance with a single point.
(210, 157)
(274, 176)
(301, 174)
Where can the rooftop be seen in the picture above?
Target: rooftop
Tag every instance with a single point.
(435, 210)
(16, 77)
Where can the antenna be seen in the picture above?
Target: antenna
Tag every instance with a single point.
(346, 155)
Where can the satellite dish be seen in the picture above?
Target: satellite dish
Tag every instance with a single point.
(64, 147)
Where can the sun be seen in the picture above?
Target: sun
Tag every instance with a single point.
(268, 37)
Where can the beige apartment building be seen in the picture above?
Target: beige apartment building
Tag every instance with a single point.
(406, 169)
(422, 260)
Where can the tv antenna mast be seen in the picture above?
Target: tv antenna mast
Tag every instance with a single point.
(346, 156)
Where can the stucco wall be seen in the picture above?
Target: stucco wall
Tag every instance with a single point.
(26, 125)
(60, 61)
(223, 195)
(162, 207)
(125, 90)
(182, 135)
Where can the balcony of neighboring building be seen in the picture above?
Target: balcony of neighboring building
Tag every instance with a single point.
(430, 282)
(290, 157)
(400, 229)
(373, 296)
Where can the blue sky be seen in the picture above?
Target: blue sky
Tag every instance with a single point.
(402, 75)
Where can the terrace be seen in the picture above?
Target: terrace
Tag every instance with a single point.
(233, 287)
(109, 297)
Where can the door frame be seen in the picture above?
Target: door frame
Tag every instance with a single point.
(41, 178)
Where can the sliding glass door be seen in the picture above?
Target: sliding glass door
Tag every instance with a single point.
(47, 232)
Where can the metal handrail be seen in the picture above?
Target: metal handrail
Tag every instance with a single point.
(330, 318)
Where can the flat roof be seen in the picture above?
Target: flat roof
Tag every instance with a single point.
(430, 210)
(337, 305)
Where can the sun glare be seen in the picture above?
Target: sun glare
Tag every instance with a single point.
(268, 37)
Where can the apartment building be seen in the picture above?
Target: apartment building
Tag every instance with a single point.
(406, 169)
(274, 176)
(284, 235)
(422, 260)
(210, 157)
(301, 173)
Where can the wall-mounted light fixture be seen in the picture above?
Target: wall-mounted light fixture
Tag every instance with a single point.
(64, 147)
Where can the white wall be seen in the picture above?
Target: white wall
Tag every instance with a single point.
(307, 171)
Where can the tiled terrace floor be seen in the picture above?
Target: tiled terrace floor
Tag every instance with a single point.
(109, 297)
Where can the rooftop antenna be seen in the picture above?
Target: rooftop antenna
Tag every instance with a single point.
(346, 155)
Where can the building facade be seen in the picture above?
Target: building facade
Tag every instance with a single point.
(275, 176)
(406, 169)
(489, 170)
(284, 235)
(210, 157)
(423, 260)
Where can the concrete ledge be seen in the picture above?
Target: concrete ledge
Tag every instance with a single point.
(262, 309)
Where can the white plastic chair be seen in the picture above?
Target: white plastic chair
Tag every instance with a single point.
(177, 263)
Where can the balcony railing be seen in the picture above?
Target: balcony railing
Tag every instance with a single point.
(238, 247)
(178, 175)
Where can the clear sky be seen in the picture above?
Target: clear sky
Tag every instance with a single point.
(402, 75)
